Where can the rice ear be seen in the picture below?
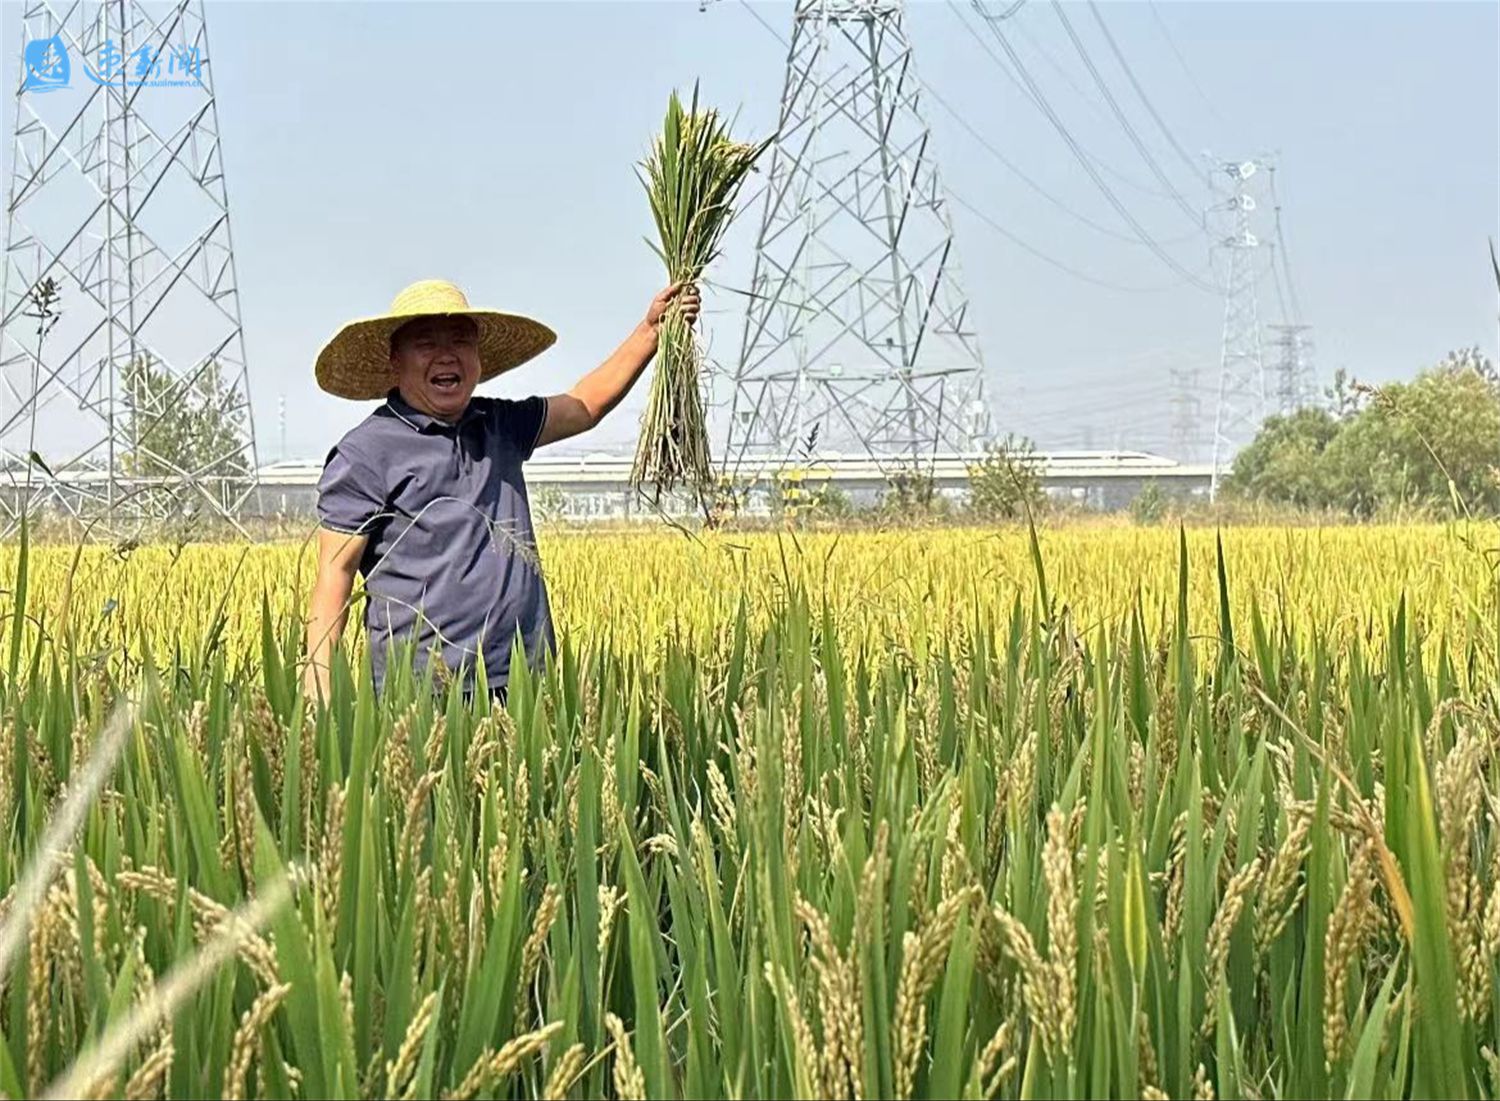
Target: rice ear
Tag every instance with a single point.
(691, 179)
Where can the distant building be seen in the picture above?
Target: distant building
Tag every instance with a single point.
(597, 486)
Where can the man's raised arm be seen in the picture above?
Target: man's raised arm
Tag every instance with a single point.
(599, 391)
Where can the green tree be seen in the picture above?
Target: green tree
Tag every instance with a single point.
(1428, 443)
(910, 493)
(197, 426)
(1007, 481)
(1413, 437)
(833, 503)
(1150, 504)
(1284, 461)
(1345, 397)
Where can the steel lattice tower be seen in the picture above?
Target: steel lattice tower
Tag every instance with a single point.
(1186, 413)
(856, 327)
(1242, 375)
(135, 406)
(1294, 372)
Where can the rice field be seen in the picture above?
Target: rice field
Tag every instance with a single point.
(1111, 811)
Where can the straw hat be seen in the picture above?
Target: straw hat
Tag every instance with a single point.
(356, 363)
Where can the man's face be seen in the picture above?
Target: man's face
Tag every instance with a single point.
(435, 362)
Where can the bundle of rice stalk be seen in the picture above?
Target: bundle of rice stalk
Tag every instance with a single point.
(693, 173)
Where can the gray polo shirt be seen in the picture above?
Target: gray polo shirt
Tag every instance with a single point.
(452, 554)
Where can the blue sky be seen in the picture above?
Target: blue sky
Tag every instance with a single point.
(368, 145)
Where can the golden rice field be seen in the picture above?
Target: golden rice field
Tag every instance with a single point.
(908, 588)
(899, 814)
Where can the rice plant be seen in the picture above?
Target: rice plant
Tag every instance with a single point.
(1216, 841)
(692, 177)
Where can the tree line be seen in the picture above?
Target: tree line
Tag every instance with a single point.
(1431, 443)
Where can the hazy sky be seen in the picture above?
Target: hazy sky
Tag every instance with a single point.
(368, 145)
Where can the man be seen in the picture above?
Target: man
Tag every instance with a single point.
(425, 496)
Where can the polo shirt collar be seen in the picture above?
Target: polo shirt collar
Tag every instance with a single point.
(423, 421)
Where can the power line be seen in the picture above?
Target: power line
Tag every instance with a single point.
(1137, 383)
(1146, 395)
(1058, 264)
(1193, 165)
(1122, 370)
(1296, 315)
(1141, 405)
(1033, 91)
(990, 148)
(1054, 407)
(1077, 150)
(759, 19)
(1053, 414)
(1114, 105)
(1276, 281)
(1089, 101)
(1008, 12)
(1095, 387)
(1182, 61)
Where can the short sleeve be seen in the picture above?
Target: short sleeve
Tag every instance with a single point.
(521, 422)
(350, 495)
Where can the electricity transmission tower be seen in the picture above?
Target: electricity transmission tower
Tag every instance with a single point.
(128, 399)
(1294, 374)
(856, 328)
(1296, 380)
(1186, 413)
(1243, 396)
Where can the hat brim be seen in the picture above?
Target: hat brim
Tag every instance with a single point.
(356, 363)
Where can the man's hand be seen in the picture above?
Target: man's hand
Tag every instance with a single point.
(689, 304)
(601, 389)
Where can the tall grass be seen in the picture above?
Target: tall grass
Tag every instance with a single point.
(1205, 853)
